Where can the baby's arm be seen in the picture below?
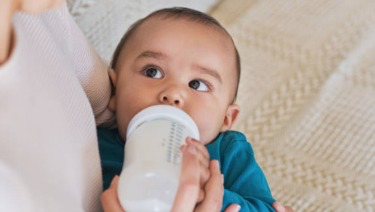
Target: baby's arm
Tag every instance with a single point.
(244, 182)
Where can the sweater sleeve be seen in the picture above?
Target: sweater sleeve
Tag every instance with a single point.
(92, 72)
(244, 182)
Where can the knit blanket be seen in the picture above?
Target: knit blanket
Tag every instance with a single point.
(307, 90)
(307, 95)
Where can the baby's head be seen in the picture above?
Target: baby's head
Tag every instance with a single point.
(180, 57)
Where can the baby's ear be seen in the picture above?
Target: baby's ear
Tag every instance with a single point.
(112, 76)
(112, 100)
(230, 117)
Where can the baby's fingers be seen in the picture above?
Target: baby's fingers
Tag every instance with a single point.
(203, 155)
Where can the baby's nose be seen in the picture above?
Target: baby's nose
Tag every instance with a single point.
(171, 100)
(172, 96)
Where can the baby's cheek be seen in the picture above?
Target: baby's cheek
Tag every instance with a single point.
(122, 122)
(121, 128)
(207, 133)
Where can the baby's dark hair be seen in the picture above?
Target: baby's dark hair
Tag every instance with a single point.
(178, 13)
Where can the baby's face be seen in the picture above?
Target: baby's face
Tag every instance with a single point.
(180, 63)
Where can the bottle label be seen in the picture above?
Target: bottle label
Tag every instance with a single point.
(177, 134)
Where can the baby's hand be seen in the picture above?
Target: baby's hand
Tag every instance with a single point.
(204, 162)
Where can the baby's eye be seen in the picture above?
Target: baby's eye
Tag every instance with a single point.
(198, 85)
(153, 73)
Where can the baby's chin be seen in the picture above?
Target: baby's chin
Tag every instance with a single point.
(206, 139)
(209, 137)
(122, 124)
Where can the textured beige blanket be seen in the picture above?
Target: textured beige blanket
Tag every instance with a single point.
(307, 95)
(307, 91)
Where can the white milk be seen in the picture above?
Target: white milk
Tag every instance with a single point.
(152, 163)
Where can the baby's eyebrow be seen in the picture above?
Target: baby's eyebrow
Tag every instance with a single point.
(151, 54)
(208, 71)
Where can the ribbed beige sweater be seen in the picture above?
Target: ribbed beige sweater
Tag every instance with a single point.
(49, 88)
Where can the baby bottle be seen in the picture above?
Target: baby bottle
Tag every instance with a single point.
(152, 163)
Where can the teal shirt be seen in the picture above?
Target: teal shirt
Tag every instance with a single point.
(244, 181)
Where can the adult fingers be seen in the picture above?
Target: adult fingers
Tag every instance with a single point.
(109, 198)
(214, 190)
(188, 189)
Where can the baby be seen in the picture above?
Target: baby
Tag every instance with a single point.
(185, 58)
